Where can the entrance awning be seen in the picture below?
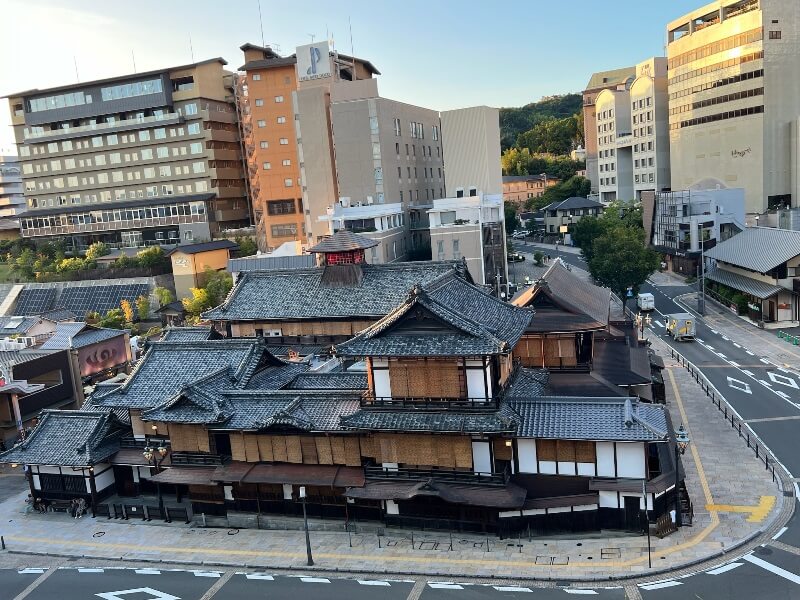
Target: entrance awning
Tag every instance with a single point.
(562, 501)
(509, 496)
(186, 476)
(290, 474)
(754, 287)
(233, 472)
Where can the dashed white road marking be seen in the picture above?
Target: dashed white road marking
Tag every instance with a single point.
(772, 568)
(147, 572)
(214, 574)
(764, 360)
(315, 580)
(659, 323)
(30, 571)
(700, 340)
(370, 582)
(737, 345)
(721, 355)
(727, 339)
(748, 373)
(783, 395)
(750, 353)
(583, 592)
(765, 383)
(659, 585)
(511, 588)
(445, 586)
(735, 364)
(259, 576)
(86, 570)
(724, 568)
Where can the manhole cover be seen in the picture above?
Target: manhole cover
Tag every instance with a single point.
(763, 551)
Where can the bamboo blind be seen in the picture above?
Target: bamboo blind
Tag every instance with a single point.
(352, 452)
(237, 447)
(324, 452)
(546, 449)
(565, 451)
(265, 448)
(294, 452)
(434, 451)
(337, 451)
(309, 449)
(279, 449)
(367, 443)
(585, 452)
(251, 448)
(423, 378)
(501, 451)
(183, 438)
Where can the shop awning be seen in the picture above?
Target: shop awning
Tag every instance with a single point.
(509, 496)
(186, 476)
(321, 475)
(754, 287)
(233, 472)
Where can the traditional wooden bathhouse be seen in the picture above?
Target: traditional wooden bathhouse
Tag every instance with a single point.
(325, 304)
(425, 417)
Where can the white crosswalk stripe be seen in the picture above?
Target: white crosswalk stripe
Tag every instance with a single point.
(772, 568)
(659, 585)
(724, 568)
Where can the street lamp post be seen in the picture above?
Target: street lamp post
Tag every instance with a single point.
(701, 305)
(681, 443)
(642, 321)
(310, 562)
(647, 525)
(156, 457)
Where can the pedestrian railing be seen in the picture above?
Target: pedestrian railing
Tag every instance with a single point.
(728, 413)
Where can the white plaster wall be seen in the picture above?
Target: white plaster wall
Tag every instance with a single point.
(476, 386)
(566, 468)
(586, 469)
(383, 388)
(630, 460)
(605, 459)
(608, 500)
(526, 450)
(102, 480)
(481, 457)
(547, 467)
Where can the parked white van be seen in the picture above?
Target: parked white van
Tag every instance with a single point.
(646, 301)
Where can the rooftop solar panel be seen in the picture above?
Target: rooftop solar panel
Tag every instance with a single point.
(100, 298)
(35, 301)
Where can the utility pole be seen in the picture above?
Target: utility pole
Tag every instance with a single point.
(701, 305)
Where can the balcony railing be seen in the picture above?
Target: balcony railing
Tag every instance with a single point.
(429, 403)
(195, 459)
(165, 119)
(151, 442)
(461, 477)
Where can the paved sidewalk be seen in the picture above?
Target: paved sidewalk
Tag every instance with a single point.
(763, 342)
(720, 469)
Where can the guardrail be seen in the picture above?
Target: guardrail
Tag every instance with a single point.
(497, 479)
(728, 412)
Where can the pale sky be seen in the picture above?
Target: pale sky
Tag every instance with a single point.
(436, 53)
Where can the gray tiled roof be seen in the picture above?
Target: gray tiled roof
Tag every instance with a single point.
(78, 335)
(528, 383)
(336, 380)
(569, 291)
(9, 358)
(754, 287)
(167, 367)
(265, 262)
(69, 438)
(11, 325)
(309, 411)
(575, 202)
(758, 249)
(204, 247)
(299, 293)
(59, 314)
(599, 419)
(434, 422)
(342, 241)
(186, 334)
(475, 323)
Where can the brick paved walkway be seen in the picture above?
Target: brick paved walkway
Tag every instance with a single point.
(733, 476)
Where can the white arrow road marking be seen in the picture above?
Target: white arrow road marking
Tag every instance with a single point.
(715, 331)
(658, 586)
(772, 568)
(724, 568)
(155, 594)
(739, 385)
(783, 380)
(710, 347)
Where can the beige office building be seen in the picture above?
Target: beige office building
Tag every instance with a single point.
(734, 99)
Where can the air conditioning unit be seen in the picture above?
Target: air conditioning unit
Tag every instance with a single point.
(344, 201)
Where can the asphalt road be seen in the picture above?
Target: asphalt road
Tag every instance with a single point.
(768, 397)
(154, 584)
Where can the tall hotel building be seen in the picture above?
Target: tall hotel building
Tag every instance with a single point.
(734, 98)
(147, 159)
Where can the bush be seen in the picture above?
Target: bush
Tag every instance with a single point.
(164, 296)
(740, 300)
(539, 258)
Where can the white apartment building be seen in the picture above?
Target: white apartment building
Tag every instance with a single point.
(12, 198)
(734, 99)
(632, 134)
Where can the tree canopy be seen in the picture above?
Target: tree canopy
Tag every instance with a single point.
(621, 260)
(215, 288)
(514, 121)
(520, 161)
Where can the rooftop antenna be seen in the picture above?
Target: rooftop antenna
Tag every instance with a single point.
(261, 23)
(75, 62)
(133, 58)
(191, 48)
(312, 36)
(352, 51)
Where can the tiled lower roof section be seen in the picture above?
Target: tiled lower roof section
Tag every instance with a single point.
(336, 380)
(69, 438)
(509, 496)
(598, 419)
(433, 422)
